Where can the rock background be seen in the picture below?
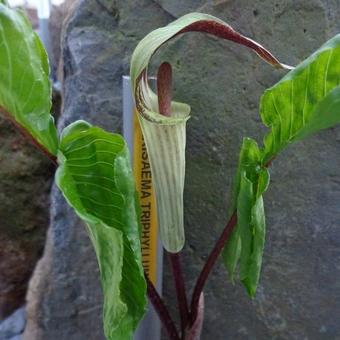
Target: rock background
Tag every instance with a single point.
(25, 180)
(299, 293)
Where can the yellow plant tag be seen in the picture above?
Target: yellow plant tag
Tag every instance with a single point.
(143, 177)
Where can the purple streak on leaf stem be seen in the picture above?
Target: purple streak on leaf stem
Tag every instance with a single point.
(27, 135)
(209, 265)
(193, 332)
(177, 273)
(161, 310)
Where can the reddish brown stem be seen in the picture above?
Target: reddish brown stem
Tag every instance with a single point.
(177, 273)
(27, 135)
(161, 310)
(209, 265)
(193, 332)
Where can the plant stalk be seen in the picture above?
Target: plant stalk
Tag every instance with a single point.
(161, 310)
(215, 253)
(177, 273)
(193, 332)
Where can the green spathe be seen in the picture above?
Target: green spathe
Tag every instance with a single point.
(166, 152)
(96, 179)
(25, 89)
(165, 137)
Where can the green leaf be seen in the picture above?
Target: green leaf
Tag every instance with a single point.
(231, 253)
(96, 179)
(247, 240)
(25, 90)
(165, 136)
(251, 222)
(305, 101)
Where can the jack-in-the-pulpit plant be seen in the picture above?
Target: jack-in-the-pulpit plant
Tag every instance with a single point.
(94, 172)
(165, 133)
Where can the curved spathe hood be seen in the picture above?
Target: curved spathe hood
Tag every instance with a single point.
(165, 136)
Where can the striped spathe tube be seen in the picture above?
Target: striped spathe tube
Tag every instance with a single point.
(165, 139)
(165, 142)
(165, 134)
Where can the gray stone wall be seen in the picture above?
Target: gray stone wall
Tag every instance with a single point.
(25, 181)
(299, 293)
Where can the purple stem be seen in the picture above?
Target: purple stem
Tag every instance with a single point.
(194, 331)
(209, 265)
(174, 259)
(161, 310)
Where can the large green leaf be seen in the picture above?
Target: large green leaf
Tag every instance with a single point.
(165, 136)
(96, 180)
(25, 90)
(305, 101)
